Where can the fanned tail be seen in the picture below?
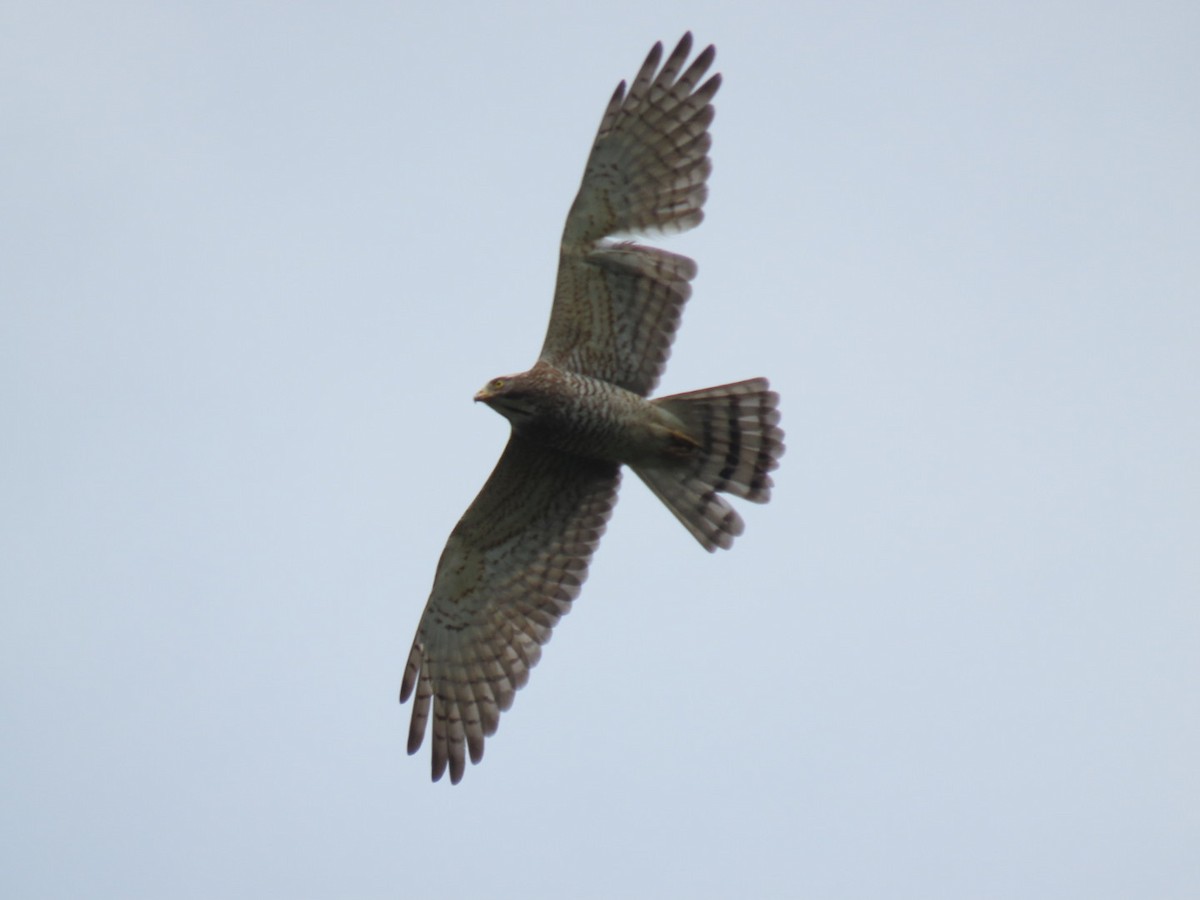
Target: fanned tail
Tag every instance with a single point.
(735, 439)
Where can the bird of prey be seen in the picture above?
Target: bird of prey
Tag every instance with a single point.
(518, 557)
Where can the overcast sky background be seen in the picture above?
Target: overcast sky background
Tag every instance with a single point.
(256, 258)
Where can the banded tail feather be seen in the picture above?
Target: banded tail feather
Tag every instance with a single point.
(738, 442)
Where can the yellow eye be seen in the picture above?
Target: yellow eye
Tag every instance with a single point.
(497, 384)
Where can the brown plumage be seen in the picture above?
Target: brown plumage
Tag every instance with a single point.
(520, 554)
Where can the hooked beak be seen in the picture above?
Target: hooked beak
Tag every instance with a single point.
(483, 396)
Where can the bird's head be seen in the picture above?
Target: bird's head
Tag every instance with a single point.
(510, 396)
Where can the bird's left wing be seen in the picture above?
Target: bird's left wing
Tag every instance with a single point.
(511, 568)
(617, 305)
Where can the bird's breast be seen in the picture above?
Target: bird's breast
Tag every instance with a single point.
(597, 419)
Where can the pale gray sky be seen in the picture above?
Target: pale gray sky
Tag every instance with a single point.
(256, 258)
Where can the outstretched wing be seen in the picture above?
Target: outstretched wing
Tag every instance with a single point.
(617, 305)
(510, 570)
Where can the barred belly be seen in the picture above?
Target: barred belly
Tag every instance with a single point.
(597, 419)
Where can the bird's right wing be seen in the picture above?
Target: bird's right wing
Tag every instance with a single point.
(511, 568)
